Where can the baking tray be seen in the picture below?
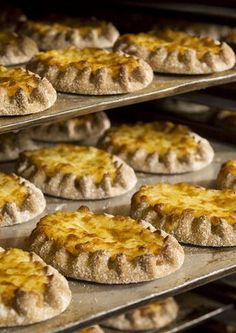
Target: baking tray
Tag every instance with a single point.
(71, 105)
(92, 302)
(194, 309)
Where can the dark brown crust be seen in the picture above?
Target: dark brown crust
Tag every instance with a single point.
(204, 230)
(23, 103)
(74, 80)
(101, 267)
(173, 62)
(33, 205)
(24, 308)
(148, 319)
(21, 51)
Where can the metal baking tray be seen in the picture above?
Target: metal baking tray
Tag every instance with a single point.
(92, 302)
(71, 105)
(194, 309)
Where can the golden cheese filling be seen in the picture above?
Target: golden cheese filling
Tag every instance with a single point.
(229, 167)
(84, 231)
(80, 161)
(147, 309)
(8, 38)
(174, 40)
(19, 272)
(93, 58)
(175, 198)
(92, 329)
(11, 190)
(14, 79)
(160, 137)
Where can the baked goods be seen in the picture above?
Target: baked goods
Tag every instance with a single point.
(193, 214)
(11, 18)
(71, 32)
(104, 248)
(20, 201)
(170, 51)
(31, 291)
(150, 316)
(22, 92)
(92, 71)
(158, 147)
(227, 175)
(16, 49)
(76, 172)
(226, 119)
(91, 329)
(85, 129)
(11, 144)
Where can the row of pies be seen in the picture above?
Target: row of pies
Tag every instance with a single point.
(76, 61)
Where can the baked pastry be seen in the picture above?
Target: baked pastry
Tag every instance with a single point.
(85, 129)
(76, 172)
(148, 317)
(226, 119)
(104, 248)
(22, 92)
(16, 49)
(71, 32)
(92, 71)
(11, 18)
(227, 175)
(11, 144)
(20, 201)
(31, 291)
(176, 52)
(158, 147)
(193, 214)
(91, 329)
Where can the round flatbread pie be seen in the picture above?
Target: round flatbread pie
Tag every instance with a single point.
(147, 317)
(23, 92)
(92, 71)
(169, 51)
(91, 329)
(20, 201)
(85, 129)
(193, 214)
(11, 144)
(76, 172)
(158, 147)
(104, 248)
(227, 175)
(31, 291)
(16, 49)
(71, 32)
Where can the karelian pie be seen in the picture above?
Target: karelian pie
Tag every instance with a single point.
(71, 32)
(85, 129)
(76, 172)
(92, 71)
(31, 291)
(226, 119)
(91, 329)
(104, 248)
(193, 214)
(158, 147)
(23, 92)
(16, 49)
(20, 201)
(227, 175)
(148, 317)
(11, 144)
(176, 52)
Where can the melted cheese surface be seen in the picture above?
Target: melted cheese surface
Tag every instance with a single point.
(88, 57)
(8, 38)
(11, 190)
(153, 137)
(67, 158)
(18, 271)
(175, 198)
(174, 40)
(84, 231)
(92, 329)
(229, 167)
(13, 79)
